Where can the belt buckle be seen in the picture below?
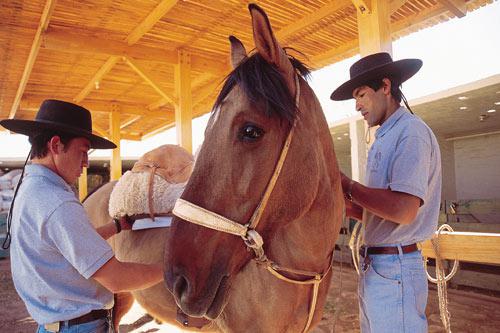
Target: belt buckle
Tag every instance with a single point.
(52, 327)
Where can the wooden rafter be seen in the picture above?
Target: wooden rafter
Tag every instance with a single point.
(108, 65)
(395, 5)
(147, 77)
(129, 121)
(312, 18)
(35, 47)
(154, 16)
(457, 7)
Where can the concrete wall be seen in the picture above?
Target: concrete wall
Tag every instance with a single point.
(477, 167)
(449, 190)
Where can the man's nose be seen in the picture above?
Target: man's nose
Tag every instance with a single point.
(358, 106)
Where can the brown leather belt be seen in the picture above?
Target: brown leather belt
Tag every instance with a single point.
(91, 316)
(387, 249)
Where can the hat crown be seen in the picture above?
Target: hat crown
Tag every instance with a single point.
(369, 62)
(65, 114)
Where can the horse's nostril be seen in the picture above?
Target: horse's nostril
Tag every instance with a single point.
(179, 287)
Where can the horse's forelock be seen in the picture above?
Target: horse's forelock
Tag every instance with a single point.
(264, 85)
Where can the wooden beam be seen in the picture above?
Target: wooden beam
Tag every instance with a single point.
(108, 65)
(58, 40)
(183, 111)
(374, 31)
(147, 77)
(105, 107)
(35, 47)
(362, 6)
(456, 7)
(116, 163)
(312, 18)
(466, 246)
(82, 185)
(154, 16)
(131, 120)
(100, 131)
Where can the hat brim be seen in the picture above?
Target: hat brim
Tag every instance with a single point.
(400, 70)
(31, 128)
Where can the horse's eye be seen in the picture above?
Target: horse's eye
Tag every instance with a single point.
(250, 133)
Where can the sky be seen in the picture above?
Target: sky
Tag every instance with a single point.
(454, 53)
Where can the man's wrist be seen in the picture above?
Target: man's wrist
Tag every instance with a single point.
(117, 225)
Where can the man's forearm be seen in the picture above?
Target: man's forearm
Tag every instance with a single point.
(394, 206)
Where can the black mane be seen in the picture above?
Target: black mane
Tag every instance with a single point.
(264, 85)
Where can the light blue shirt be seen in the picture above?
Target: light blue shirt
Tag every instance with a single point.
(405, 157)
(55, 250)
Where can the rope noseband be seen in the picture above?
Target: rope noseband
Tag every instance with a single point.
(252, 239)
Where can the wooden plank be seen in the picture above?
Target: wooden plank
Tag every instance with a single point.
(475, 227)
(35, 47)
(466, 246)
(456, 7)
(183, 111)
(481, 206)
(147, 77)
(154, 16)
(312, 18)
(115, 163)
(58, 40)
(108, 65)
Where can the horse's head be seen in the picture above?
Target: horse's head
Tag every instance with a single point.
(263, 101)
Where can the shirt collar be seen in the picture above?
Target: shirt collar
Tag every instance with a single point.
(34, 170)
(390, 122)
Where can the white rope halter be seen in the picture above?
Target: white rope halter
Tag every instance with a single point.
(253, 240)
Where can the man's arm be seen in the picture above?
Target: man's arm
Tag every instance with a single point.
(353, 210)
(112, 228)
(117, 276)
(398, 207)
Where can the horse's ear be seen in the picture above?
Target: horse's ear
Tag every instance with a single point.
(238, 52)
(268, 46)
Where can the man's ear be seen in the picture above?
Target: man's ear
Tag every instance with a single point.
(55, 145)
(387, 86)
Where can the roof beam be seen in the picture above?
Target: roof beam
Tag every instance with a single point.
(57, 40)
(457, 7)
(154, 16)
(96, 78)
(35, 47)
(312, 18)
(362, 6)
(105, 107)
(147, 77)
(129, 121)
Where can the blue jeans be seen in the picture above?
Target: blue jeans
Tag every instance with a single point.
(392, 293)
(97, 326)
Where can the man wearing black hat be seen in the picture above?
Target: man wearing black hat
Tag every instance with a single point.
(399, 201)
(63, 269)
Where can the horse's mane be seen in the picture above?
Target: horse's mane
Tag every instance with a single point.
(264, 85)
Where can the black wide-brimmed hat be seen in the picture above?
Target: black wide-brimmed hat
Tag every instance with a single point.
(376, 66)
(59, 116)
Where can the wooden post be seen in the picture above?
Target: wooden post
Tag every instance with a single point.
(183, 110)
(82, 185)
(374, 29)
(374, 36)
(116, 163)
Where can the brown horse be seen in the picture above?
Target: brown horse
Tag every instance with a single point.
(251, 168)
(142, 246)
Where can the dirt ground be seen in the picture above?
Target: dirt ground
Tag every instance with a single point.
(471, 311)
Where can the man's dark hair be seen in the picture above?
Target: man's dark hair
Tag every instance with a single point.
(395, 87)
(40, 140)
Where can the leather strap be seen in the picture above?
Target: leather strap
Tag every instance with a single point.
(91, 316)
(387, 249)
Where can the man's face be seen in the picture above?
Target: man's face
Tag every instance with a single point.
(372, 104)
(72, 158)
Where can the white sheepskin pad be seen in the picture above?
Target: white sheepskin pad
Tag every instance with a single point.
(130, 195)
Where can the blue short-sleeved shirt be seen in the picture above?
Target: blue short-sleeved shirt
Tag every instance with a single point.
(405, 157)
(55, 250)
